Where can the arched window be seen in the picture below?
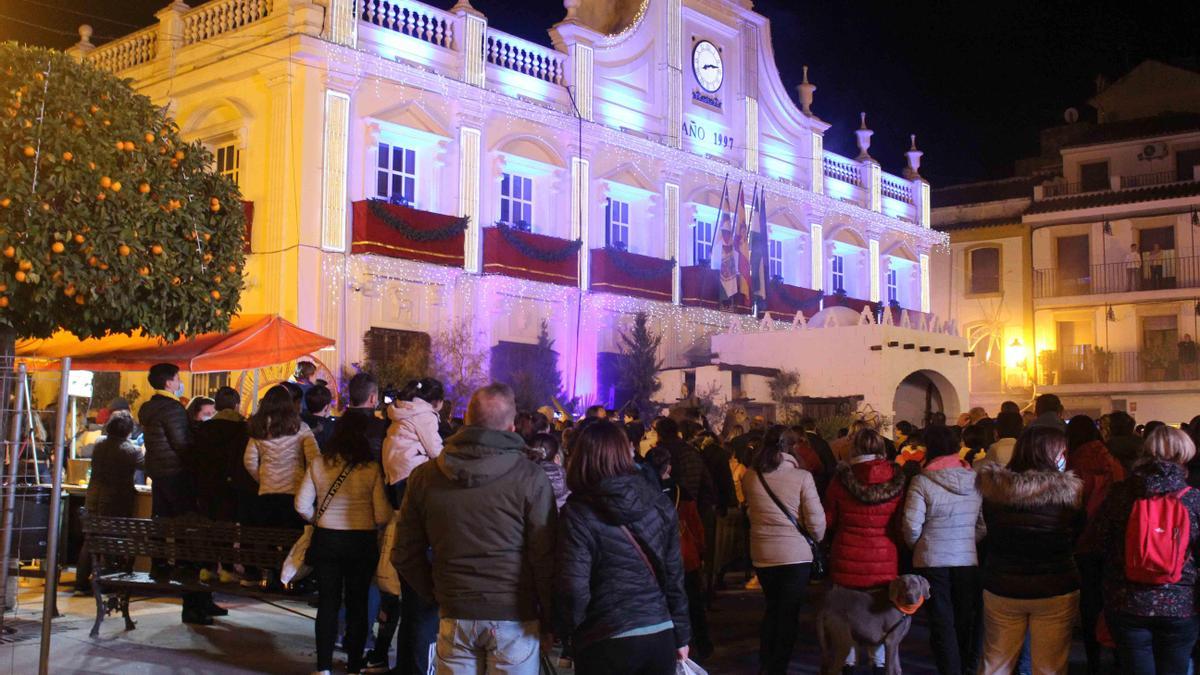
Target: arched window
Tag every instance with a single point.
(983, 270)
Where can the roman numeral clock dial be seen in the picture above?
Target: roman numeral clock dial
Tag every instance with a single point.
(708, 66)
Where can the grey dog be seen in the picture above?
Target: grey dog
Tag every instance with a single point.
(867, 618)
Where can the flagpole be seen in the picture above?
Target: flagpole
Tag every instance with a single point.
(717, 225)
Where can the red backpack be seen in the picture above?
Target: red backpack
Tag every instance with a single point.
(1156, 539)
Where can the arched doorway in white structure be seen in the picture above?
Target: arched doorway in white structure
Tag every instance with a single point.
(922, 393)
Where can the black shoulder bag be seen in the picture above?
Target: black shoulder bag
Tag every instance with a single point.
(820, 566)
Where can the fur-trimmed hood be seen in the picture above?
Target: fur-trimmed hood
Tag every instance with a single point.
(1029, 489)
(872, 482)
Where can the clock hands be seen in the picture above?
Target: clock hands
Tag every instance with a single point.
(708, 66)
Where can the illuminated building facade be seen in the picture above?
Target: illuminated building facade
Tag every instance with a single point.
(589, 173)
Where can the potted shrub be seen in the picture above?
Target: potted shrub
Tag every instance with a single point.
(1048, 361)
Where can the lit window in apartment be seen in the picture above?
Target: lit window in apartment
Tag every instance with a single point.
(893, 287)
(837, 273)
(516, 199)
(775, 258)
(396, 174)
(229, 162)
(618, 224)
(702, 241)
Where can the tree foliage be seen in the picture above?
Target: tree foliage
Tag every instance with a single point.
(459, 363)
(109, 220)
(539, 382)
(639, 377)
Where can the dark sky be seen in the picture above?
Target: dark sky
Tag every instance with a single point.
(974, 80)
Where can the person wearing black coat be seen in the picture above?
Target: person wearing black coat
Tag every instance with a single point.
(688, 465)
(110, 490)
(167, 435)
(619, 590)
(226, 490)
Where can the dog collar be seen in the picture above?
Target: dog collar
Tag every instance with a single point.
(910, 609)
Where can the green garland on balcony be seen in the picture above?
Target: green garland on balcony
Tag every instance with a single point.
(456, 227)
(523, 247)
(789, 300)
(657, 270)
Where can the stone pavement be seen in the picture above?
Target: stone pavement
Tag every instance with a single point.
(261, 638)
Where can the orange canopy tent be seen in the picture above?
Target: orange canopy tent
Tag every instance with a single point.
(252, 341)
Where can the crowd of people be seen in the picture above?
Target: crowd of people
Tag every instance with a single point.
(514, 530)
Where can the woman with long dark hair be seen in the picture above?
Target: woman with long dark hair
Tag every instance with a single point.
(1033, 509)
(279, 451)
(781, 495)
(619, 582)
(342, 495)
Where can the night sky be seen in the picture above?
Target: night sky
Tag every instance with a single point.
(975, 81)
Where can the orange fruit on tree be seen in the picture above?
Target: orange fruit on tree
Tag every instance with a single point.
(120, 145)
(29, 151)
(217, 279)
(123, 250)
(67, 156)
(116, 186)
(107, 122)
(94, 109)
(144, 188)
(216, 295)
(156, 249)
(9, 251)
(103, 265)
(79, 300)
(92, 262)
(45, 206)
(101, 197)
(92, 166)
(232, 269)
(79, 239)
(144, 271)
(3, 301)
(174, 164)
(175, 281)
(24, 265)
(105, 182)
(57, 247)
(5, 203)
(179, 154)
(3, 287)
(149, 137)
(207, 236)
(20, 276)
(207, 257)
(69, 290)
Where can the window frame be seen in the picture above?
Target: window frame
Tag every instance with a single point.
(969, 271)
(617, 223)
(1084, 182)
(837, 273)
(406, 174)
(225, 151)
(510, 200)
(891, 282)
(702, 248)
(775, 265)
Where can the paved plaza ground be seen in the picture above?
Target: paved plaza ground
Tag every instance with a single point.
(261, 638)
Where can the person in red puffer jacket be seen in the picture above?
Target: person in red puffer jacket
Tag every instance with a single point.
(1091, 461)
(861, 502)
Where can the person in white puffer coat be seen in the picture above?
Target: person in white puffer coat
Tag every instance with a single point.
(413, 436)
(411, 441)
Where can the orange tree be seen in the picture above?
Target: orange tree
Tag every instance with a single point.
(109, 221)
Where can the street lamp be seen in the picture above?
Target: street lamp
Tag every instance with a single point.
(1015, 354)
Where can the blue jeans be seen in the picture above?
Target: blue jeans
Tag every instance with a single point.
(1152, 645)
(468, 647)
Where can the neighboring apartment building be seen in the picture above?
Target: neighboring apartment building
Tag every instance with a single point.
(1082, 271)
(413, 168)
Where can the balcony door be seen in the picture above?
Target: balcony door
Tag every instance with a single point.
(1187, 163)
(1159, 268)
(1075, 340)
(1160, 347)
(1074, 258)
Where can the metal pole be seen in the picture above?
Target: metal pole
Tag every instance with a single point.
(10, 488)
(48, 600)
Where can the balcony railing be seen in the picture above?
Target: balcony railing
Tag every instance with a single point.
(527, 255)
(1148, 179)
(215, 18)
(843, 169)
(1085, 365)
(513, 53)
(414, 19)
(127, 52)
(1168, 272)
(899, 190)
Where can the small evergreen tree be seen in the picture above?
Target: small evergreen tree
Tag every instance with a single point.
(640, 374)
(539, 382)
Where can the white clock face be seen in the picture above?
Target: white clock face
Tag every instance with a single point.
(706, 62)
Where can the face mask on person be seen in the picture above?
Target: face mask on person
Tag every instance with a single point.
(1062, 463)
(179, 389)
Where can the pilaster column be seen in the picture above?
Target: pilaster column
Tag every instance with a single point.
(925, 282)
(334, 170)
(817, 244)
(274, 235)
(873, 268)
(671, 211)
(468, 196)
(580, 208)
(472, 26)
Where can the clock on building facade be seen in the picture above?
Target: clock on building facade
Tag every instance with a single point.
(708, 66)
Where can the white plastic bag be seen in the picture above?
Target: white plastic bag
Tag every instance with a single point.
(294, 567)
(688, 667)
(385, 572)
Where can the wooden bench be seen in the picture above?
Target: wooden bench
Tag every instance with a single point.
(189, 539)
